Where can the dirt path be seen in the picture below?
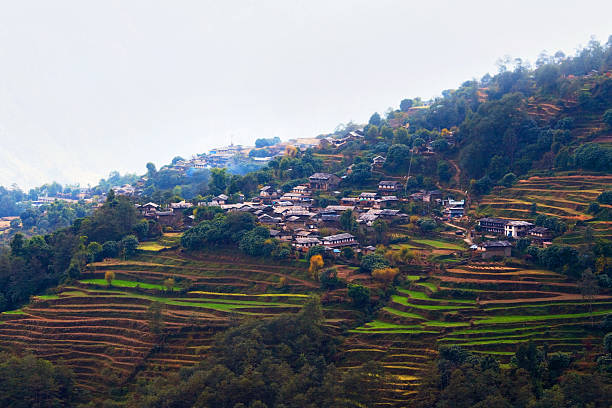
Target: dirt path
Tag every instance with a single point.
(468, 235)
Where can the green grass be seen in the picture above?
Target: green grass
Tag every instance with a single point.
(18, 311)
(403, 314)
(423, 296)
(413, 277)
(439, 244)
(151, 246)
(377, 324)
(404, 301)
(429, 286)
(434, 323)
(126, 284)
(47, 297)
(520, 319)
(200, 292)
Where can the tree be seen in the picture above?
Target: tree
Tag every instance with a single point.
(386, 275)
(348, 253)
(110, 249)
(373, 261)
(316, 264)
(405, 104)
(347, 221)
(607, 117)
(588, 289)
(151, 170)
(129, 245)
(361, 173)
(169, 284)
(155, 317)
(30, 382)
(380, 228)
(375, 119)
(444, 171)
(406, 255)
(509, 179)
(360, 296)
(109, 276)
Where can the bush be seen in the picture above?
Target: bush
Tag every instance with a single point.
(129, 245)
(360, 296)
(374, 261)
(605, 197)
(110, 249)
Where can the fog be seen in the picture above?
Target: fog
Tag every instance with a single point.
(87, 87)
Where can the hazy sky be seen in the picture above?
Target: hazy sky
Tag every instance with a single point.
(87, 87)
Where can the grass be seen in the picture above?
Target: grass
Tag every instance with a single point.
(403, 314)
(18, 311)
(377, 324)
(404, 301)
(126, 284)
(47, 297)
(423, 296)
(439, 244)
(200, 292)
(151, 246)
(520, 319)
(434, 323)
(429, 286)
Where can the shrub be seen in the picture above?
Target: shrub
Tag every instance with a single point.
(386, 275)
(360, 295)
(374, 261)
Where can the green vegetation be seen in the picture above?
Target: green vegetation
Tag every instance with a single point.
(439, 244)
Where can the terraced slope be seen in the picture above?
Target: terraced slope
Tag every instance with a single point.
(105, 333)
(564, 196)
(485, 307)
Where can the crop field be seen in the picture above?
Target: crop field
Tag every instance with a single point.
(485, 307)
(564, 196)
(106, 333)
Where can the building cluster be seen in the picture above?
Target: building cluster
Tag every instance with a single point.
(541, 236)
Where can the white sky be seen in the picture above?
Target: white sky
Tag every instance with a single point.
(87, 87)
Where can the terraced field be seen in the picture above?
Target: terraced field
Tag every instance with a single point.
(105, 334)
(563, 196)
(485, 307)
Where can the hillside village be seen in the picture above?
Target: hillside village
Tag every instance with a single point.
(452, 250)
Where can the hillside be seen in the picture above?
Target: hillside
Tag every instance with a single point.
(454, 243)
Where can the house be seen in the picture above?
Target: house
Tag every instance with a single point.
(300, 190)
(517, 229)
(349, 201)
(389, 187)
(339, 240)
(306, 242)
(269, 220)
(367, 218)
(323, 181)
(378, 162)
(432, 196)
(340, 208)
(328, 215)
(219, 200)
(148, 209)
(490, 249)
(540, 232)
(386, 201)
(453, 209)
(181, 205)
(495, 226)
(267, 194)
(367, 199)
(542, 236)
